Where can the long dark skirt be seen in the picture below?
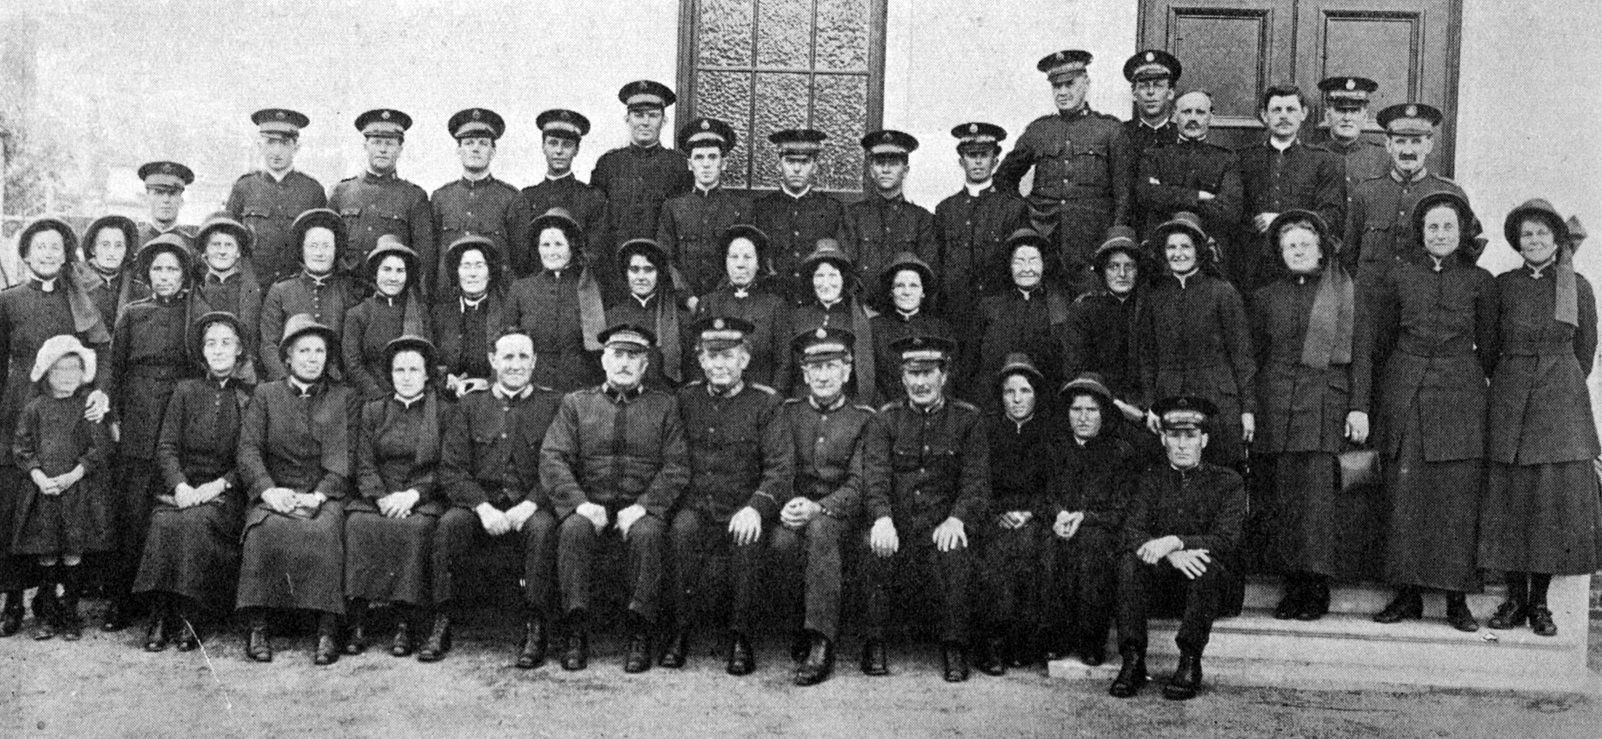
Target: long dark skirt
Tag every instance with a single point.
(1314, 527)
(16, 573)
(292, 562)
(78, 521)
(1432, 516)
(1542, 518)
(389, 559)
(193, 552)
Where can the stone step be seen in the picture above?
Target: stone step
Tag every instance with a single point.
(1370, 598)
(1345, 651)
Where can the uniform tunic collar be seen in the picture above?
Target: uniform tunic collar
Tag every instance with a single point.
(502, 393)
(622, 396)
(976, 189)
(839, 402)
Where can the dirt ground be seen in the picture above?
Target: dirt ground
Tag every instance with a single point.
(105, 686)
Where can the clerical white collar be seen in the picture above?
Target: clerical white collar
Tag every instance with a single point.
(975, 189)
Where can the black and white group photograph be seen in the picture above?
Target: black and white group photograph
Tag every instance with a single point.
(799, 368)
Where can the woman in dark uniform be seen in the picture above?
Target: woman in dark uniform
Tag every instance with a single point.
(317, 290)
(1433, 324)
(653, 303)
(106, 273)
(295, 462)
(1029, 317)
(905, 280)
(42, 306)
(149, 356)
(1541, 516)
(748, 291)
(389, 524)
(394, 309)
(834, 303)
(467, 323)
(1193, 338)
(192, 548)
(559, 307)
(1309, 399)
(226, 281)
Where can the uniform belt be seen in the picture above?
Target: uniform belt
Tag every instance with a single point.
(1551, 349)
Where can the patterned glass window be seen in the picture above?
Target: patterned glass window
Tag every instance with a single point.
(766, 65)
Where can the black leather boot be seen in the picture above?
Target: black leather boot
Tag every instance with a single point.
(819, 662)
(678, 650)
(187, 628)
(327, 651)
(741, 659)
(1187, 678)
(874, 660)
(71, 591)
(439, 639)
(1315, 598)
(1408, 604)
(1131, 677)
(156, 632)
(1458, 614)
(1292, 601)
(46, 607)
(11, 614)
(954, 657)
(990, 658)
(639, 657)
(403, 644)
(800, 646)
(257, 646)
(355, 626)
(532, 652)
(577, 654)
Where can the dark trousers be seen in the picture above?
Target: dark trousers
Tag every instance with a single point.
(580, 546)
(708, 567)
(1014, 562)
(131, 500)
(460, 533)
(1139, 582)
(815, 550)
(1079, 586)
(919, 561)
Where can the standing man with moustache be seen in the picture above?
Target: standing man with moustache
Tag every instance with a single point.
(1380, 224)
(1279, 174)
(1193, 175)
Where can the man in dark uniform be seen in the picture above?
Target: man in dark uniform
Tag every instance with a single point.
(883, 224)
(164, 193)
(1379, 226)
(478, 204)
(1279, 174)
(794, 217)
(826, 430)
(614, 459)
(489, 468)
(741, 467)
(268, 199)
(379, 202)
(1181, 532)
(640, 177)
(1152, 75)
(1083, 169)
(692, 223)
(561, 132)
(926, 474)
(1192, 175)
(1345, 116)
(972, 226)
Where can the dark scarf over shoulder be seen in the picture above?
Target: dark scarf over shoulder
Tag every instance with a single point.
(1329, 326)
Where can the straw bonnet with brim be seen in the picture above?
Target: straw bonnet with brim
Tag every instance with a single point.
(130, 235)
(755, 235)
(1538, 209)
(60, 346)
(320, 218)
(197, 336)
(302, 324)
(69, 240)
(223, 222)
(1088, 383)
(465, 244)
(904, 261)
(1469, 228)
(167, 243)
(1019, 363)
(410, 343)
(390, 246)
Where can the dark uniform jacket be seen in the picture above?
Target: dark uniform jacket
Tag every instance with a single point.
(111, 294)
(1084, 169)
(794, 225)
(491, 448)
(828, 452)
(893, 326)
(1540, 408)
(876, 230)
(588, 207)
(1099, 336)
(388, 459)
(29, 316)
(200, 432)
(921, 467)
(616, 449)
(466, 334)
(1380, 223)
(1015, 321)
(637, 180)
(1170, 178)
(299, 440)
(546, 305)
(1022, 461)
(369, 326)
(1193, 338)
(971, 261)
(1299, 408)
(652, 314)
(740, 452)
(769, 344)
(1204, 506)
(1364, 158)
(689, 229)
(268, 206)
(1097, 477)
(326, 299)
(1143, 138)
(1273, 182)
(373, 205)
(239, 297)
(847, 313)
(149, 355)
(488, 207)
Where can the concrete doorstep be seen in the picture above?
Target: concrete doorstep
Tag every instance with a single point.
(1346, 650)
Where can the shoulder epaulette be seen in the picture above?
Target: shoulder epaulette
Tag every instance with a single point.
(763, 388)
(544, 388)
(248, 175)
(887, 407)
(793, 401)
(1042, 118)
(694, 383)
(963, 404)
(867, 408)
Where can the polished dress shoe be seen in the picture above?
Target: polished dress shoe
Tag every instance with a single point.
(188, 639)
(115, 617)
(677, 650)
(874, 661)
(1131, 677)
(577, 654)
(1315, 599)
(1093, 655)
(11, 615)
(257, 646)
(438, 641)
(955, 660)
(1541, 621)
(1023, 652)
(800, 646)
(327, 650)
(1291, 603)
(741, 660)
(1510, 615)
(401, 645)
(1408, 604)
(1187, 678)
(989, 659)
(356, 633)
(639, 658)
(819, 662)
(156, 633)
(1458, 614)
(532, 652)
